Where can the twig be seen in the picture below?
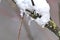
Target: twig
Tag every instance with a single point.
(19, 30)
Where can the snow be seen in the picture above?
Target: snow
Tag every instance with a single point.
(41, 7)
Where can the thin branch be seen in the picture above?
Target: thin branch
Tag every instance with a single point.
(19, 30)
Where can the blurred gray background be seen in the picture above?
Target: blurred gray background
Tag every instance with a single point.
(9, 25)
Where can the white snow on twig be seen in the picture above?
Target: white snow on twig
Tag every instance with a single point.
(41, 7)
